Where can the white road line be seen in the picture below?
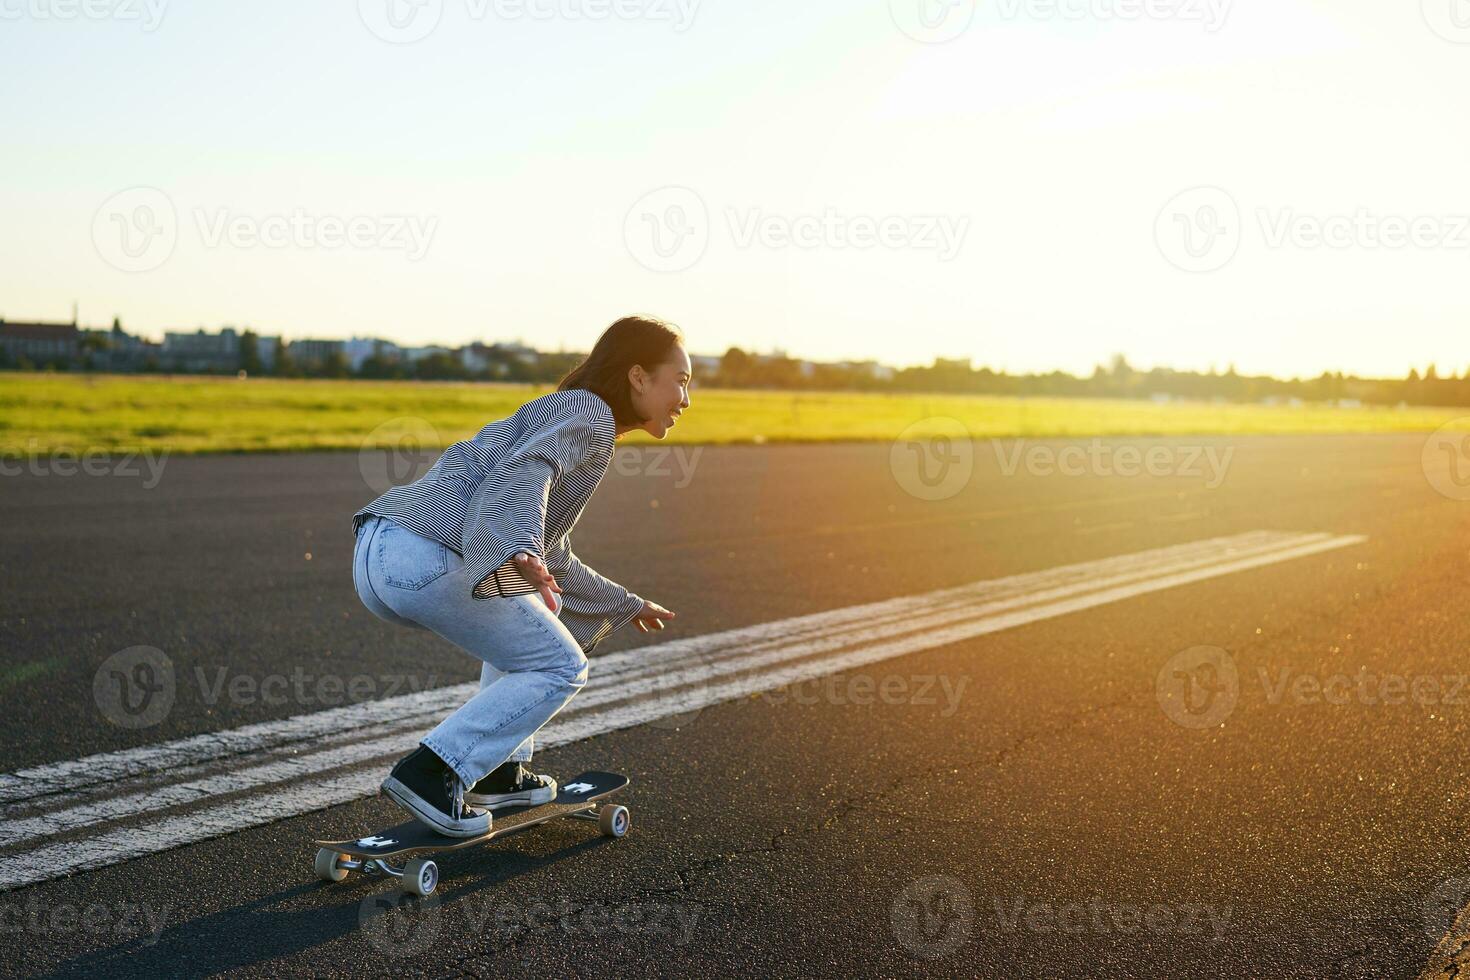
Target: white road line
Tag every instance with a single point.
(314, 793)
(373, 742)
(39, 781)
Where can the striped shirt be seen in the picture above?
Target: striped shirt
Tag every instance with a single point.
(520, 485)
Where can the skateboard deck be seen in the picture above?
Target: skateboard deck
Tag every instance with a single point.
(577, 797)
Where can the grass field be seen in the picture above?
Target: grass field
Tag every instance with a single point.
(42, 414)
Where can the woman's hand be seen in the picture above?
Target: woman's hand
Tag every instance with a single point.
(652, 617)
(534, 569)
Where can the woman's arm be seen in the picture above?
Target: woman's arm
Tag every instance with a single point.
(507, 514)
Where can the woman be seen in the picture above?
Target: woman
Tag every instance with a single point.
(478, 551)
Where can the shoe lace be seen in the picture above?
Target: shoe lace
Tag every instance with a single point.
(454, 789)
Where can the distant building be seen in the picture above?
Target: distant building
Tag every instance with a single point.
(202, 352)
(315, 353)
(41, 343)
(880, 371)
(416, 354)
(359, 349)
(118, 350)
(704, 366)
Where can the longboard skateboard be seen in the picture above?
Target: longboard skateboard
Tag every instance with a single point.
(579, 797)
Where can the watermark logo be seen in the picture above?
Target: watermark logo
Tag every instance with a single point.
(1211, 14)
(398, 451)
(1446, 459)
(407, 233)
(65, 461)
(1097, 458)
(148, 14)
(1202, 230)
(676, 461)
(400, 21)
(921, 690)
(1199, 230)
(128, 921)
(136, 230)
(1102, 917)
(932, 21)
(832, 230)
(135, 688)
(1450, 19)
(1283, 227)
(1442, 907)
(407, 21)
(399, 925)
(1199, 687)
(932, 917)
(667, 230)
(933, 459)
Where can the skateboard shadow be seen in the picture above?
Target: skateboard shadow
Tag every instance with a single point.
(306, 916)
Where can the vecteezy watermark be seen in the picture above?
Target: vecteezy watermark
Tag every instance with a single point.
(1444, 905)
(1100, 459)
(135, 688)
(1211, 14)
(1285, 227)
(407, 233)
(1198, 687)
(1363, 687)
(939, 233)
(1446, 459)
(407, 21)
(1198, 230)
(65, 461)
(1100, 916)
(932, 21)
(115, 920)
(1201, 230)
(933, 458)
(657, 460)
(302, 689)
(865, 689)
(138, 229)
(401, 925)
(1450, 19)
(932, 917)
(147, 14)
(673, 922)
(138, 687)
(669, 230)
(398, 451)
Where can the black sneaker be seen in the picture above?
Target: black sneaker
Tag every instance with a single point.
(511, 785)
(426, 787)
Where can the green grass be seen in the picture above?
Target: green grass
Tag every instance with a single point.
(41, 414)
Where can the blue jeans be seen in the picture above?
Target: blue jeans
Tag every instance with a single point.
(532, 665)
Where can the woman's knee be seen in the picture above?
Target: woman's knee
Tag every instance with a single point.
(571, 668)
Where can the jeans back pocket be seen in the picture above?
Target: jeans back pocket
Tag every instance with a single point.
(408, 560)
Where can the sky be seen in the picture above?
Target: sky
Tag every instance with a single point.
(1030, 184)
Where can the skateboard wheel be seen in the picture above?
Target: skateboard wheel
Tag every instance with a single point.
(614, 821)
(327, 868)
(420, 877)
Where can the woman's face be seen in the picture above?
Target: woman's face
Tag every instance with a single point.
(661, 396)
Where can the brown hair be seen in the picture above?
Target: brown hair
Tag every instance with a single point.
(632, 340)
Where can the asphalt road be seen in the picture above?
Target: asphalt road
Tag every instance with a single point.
(1028, 801)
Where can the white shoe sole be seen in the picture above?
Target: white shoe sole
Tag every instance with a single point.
(499, 801)
(426, 814)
